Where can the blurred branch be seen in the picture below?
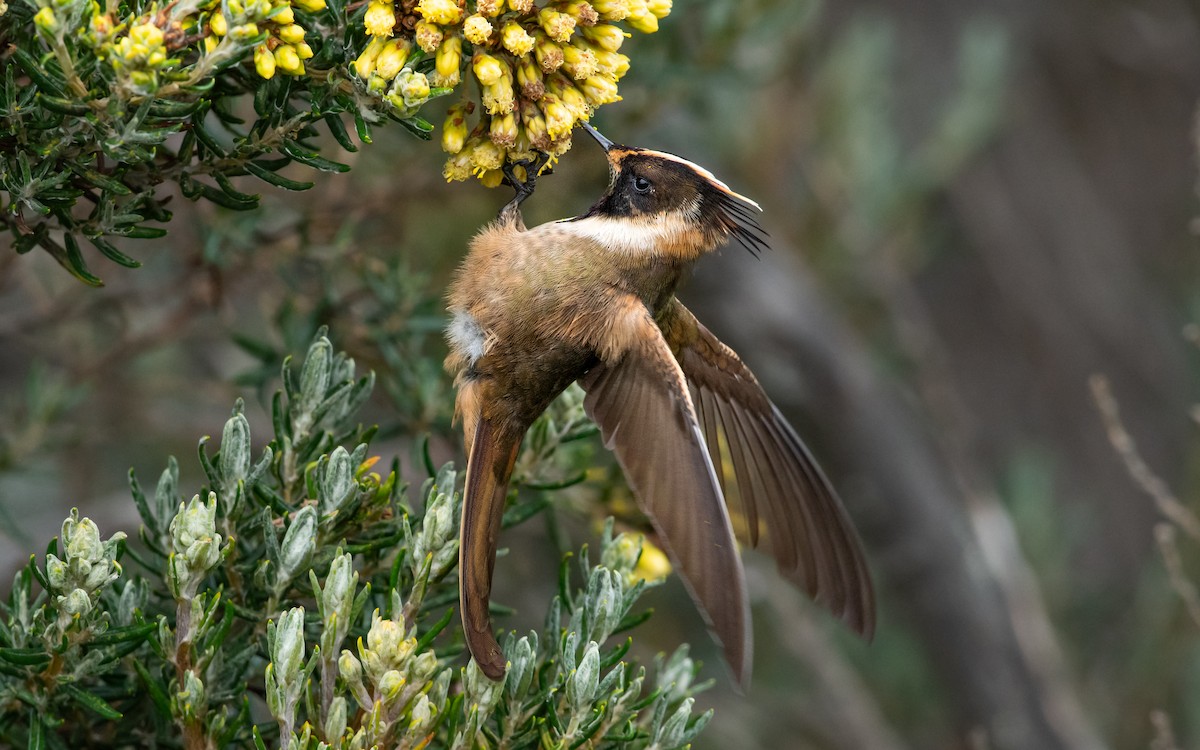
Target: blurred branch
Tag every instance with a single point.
(1164, 535)
(845, 702)
(905, 502)
(1141, 473)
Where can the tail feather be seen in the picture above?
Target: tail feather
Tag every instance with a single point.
(492, 455)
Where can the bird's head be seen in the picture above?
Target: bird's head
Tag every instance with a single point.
(646, 185)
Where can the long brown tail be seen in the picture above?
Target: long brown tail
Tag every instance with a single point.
(493, 453)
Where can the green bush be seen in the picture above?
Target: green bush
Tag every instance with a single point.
(299, 599)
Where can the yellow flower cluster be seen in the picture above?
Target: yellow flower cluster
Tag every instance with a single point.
(540, 69)
(140, 54)
(284, 51)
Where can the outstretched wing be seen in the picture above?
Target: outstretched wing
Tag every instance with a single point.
(783, 496)
(642, 406)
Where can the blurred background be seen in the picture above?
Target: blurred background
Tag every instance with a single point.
(982, 219)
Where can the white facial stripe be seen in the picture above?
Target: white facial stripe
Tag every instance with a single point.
(466, 336)
(630, 237)
(705, 174)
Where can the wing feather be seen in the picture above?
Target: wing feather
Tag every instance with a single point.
(787, 502)
(645, 414)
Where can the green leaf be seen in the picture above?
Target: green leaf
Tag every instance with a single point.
(312, 158)
(207, 139)
(228, 188)
(520, 513)
(337, 129)
(419, 127)
(63, 106)
(72, 260)
(37, 736)
(36, 71)
(90, 701)
(361, 126)
(433, 631)
(274, 178)
(157, 695)
(121, 635)
(107, 249)
(143, 233)
(26, 657)
(175, 110)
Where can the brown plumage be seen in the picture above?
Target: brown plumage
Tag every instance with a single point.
(591, 299)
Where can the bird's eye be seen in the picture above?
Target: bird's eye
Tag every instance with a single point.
(641, 184)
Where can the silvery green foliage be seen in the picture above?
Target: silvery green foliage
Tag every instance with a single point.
(298, 600)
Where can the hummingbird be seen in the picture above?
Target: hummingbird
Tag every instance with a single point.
(591, 299)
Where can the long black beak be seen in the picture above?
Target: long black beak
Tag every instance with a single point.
(604, 142)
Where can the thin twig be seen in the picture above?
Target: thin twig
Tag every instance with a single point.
(1126, 448)
(1164, 535)
(1164, 736)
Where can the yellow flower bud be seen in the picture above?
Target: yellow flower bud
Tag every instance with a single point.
(309, 6)
(376, 84)
(288, 61)
(558, 26)
(559, 119)
(303, 50)
(448, 62)
(217, 23)
(599, 90)
(143, 79)
(612, 64)
(503, 130)
(380, 18)
(498, 98)
(454, 129)
(484, 154)
(559, 146)
(365, 64)
(210, 44)
(284, 16)
(612, 10)
(441, 12)
(291, 34)
(413, 87)
(521, 6)
(516, 39)
(488, 69)
(535, 125)
(570, 96)
(606, 36)
(549, 54)
(264, 62)
(580, 63)
(493, 178)
(243, 32)
(458, 167)
(489, 8)
(645, 22)
(477, 29)
(653, 565)
(236, 7)
(147, 34)
(102, 26)
(582, 11)
(659, 8)
(392, 58)
(428, 35)
(529, 77)
(258, 10)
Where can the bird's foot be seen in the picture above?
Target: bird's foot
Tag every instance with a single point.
(524, 187)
